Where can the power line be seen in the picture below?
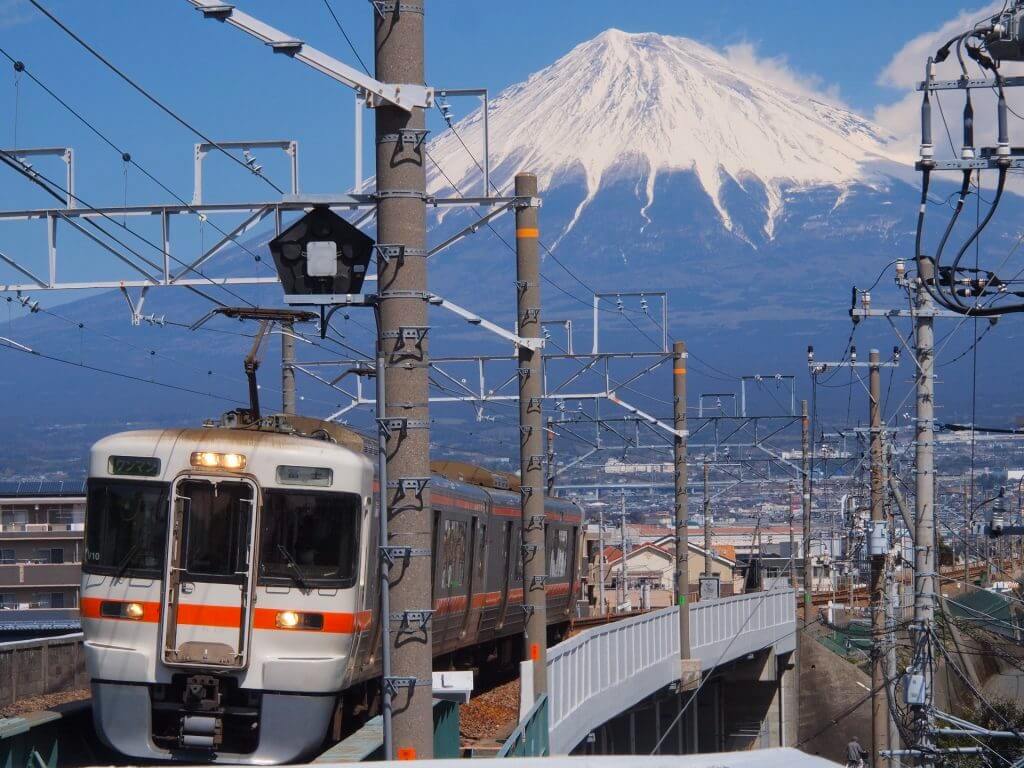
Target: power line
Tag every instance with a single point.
(125, 155)
(150, 97)
(14, 346)
(344, 34)
(54, 189)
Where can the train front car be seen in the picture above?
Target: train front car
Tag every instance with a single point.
(223, 590)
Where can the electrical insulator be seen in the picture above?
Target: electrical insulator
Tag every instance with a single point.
(853, 354)
(901, 271)
(618, 302)
(896, 355)
(865, 300)
(998, 516)
(810, 355)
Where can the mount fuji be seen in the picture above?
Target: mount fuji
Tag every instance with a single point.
(663, 165)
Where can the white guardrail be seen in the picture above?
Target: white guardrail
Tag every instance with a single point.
(605, 670)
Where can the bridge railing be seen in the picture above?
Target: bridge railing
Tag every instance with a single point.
(738, 625)
(607, 669)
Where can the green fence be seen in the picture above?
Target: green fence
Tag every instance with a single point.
(530, 738)
(367, 744)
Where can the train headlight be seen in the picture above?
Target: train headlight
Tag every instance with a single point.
(295, 620)
(118, 609)
(211, 460)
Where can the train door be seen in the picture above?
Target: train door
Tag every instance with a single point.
(477, 578)
(505, 583)
(209, 572)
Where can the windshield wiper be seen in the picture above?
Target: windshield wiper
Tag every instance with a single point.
(126, 561)
(298, 576)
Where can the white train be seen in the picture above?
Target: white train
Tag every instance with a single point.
(230, 594)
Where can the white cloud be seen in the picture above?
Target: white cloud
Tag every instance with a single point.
(907, 67)
(777, 70)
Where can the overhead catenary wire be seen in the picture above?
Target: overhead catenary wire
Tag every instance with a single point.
(145, 93)
(126, 156)
(10, 345)
(56, 190)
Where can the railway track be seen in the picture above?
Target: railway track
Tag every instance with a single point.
(861, 595)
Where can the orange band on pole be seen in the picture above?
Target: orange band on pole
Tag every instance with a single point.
(679, 371)
(528, 232)
(406, 753)
(535, 652)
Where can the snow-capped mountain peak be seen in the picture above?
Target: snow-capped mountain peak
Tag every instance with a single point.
(660, 103)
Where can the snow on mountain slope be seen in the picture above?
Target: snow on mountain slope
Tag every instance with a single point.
(663, 103)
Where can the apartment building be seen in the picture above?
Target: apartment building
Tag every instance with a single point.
(41, 541)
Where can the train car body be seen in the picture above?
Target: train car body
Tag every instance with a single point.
(230, 594)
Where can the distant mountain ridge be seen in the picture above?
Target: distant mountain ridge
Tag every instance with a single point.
(663, 166)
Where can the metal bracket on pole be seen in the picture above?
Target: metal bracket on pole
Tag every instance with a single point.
(392, 555)
(538, 581)
(393, 684)
(407, 485)
(399, 424)
(536, 521)
(474, 319)
(412, 621)
(407, 96)
(390, 251)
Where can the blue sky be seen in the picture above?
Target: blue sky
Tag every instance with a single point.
(233, 87)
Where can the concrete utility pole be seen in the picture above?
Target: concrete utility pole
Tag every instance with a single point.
(623, 586)
(550, 480)
(531, 438)
(402, 285)
(708, 563)
(924, 534)
(805, 473)
(877, 537)
(681, 512)
(967, 536)
(600, 560)
(792, 544)
(287, 367)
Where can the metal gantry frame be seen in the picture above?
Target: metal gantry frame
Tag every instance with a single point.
(202, 149)
(67, 154)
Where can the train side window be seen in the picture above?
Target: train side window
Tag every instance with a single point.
(125, 528)
(481, 550)
(310, 537)
(453, 573)
(558, 553)
(216, 528)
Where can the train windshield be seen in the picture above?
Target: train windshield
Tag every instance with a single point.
(126, 527)
(309, 538)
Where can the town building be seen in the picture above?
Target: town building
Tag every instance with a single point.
(41, 545)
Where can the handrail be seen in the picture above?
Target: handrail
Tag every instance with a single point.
(530, 738)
